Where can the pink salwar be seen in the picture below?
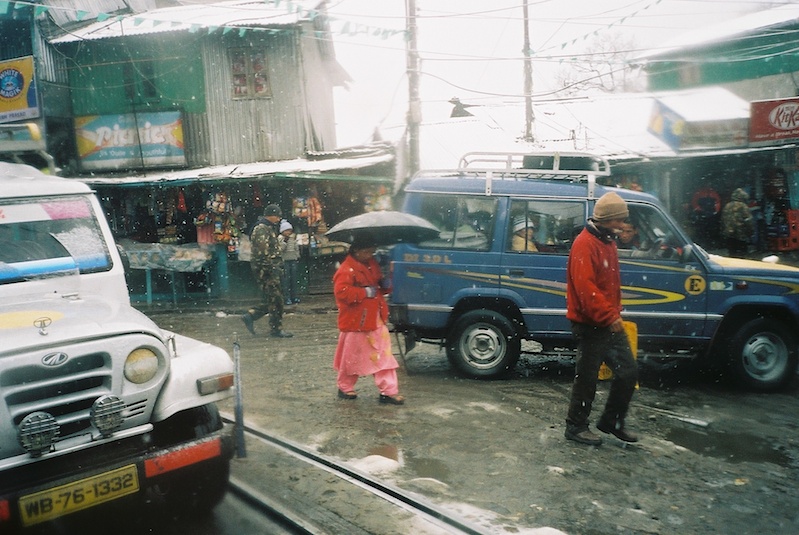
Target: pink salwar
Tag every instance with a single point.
(359, 354)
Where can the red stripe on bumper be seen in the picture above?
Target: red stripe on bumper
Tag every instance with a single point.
(182, 457)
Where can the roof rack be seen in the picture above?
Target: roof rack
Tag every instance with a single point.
(579, 163)
(568, 166)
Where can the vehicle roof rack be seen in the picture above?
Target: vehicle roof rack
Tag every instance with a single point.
(568, 166)
(556, 163)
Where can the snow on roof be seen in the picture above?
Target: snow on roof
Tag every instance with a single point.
(724, 31)
(244, 171)
(233, 13)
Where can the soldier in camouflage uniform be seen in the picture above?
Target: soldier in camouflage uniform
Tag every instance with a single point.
(267, 268)
(737, 224)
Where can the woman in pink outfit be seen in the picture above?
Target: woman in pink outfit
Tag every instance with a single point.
(364, 344)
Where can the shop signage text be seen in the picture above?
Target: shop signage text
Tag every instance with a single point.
(18, 100)
(774, 121)
(130, 141)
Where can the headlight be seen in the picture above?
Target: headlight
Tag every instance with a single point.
(106, 414)
(141, 365)
(37, 432)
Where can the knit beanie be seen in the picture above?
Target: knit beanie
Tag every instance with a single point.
(285, 225)
(610, 206)
(272, 209)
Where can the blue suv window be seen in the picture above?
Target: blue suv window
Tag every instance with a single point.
(544, 226)
(464, 222)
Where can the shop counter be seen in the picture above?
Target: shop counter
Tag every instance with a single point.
(188, 258)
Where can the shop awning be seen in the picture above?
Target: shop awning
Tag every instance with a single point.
(297, 169)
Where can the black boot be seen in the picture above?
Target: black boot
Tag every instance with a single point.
(616, 428)
(248, 322)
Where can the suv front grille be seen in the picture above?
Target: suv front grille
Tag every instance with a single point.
(67, 392)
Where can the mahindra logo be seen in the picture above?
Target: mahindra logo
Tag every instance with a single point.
(785, 116)
(55, 359)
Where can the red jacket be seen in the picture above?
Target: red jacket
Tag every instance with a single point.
(593, 281)
(356, 312)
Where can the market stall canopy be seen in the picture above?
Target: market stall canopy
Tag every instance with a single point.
(386, 227)
(298, 168)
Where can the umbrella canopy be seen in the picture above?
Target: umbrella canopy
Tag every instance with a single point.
(385, 228)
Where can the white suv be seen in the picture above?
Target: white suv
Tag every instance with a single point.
(97, 403)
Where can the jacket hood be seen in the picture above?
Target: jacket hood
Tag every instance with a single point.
(740, 195)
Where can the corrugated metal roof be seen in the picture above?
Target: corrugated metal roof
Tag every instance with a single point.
(244, 171)
(234, 13)
(752, 23)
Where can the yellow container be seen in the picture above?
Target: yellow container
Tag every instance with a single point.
(631, 329)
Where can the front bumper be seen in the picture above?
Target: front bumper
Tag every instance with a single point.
(51, 488)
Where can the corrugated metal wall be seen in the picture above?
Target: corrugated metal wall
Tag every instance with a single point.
(66, 11)
(254, 130)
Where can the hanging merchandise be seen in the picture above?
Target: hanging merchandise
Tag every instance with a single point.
(182, 201)
(377, 201)
(299, 207)
(220, 219)
(316, 221)
(256, 196)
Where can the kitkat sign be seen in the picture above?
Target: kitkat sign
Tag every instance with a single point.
(774, 121)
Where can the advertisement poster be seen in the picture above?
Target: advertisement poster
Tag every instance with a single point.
(17, 90)
(667, 125)
(130, 141)
(774, 121)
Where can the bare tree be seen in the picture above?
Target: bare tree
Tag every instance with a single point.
(603, 66)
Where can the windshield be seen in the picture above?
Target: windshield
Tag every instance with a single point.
(49, 237)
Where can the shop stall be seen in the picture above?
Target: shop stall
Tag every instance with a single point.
(189, 239)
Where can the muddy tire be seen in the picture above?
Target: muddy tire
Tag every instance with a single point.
(763, 355)
(483, 344)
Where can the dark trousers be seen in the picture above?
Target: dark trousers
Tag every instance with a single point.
(597, 345)
(290, 280)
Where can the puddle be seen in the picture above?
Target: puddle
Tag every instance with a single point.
(734, 447)
(432, 468)
(421, 466)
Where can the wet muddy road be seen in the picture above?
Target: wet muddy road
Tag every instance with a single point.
(712, 459)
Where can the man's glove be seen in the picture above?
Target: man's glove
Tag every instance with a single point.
(371, 291)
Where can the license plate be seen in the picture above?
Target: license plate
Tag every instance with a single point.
(52, 503)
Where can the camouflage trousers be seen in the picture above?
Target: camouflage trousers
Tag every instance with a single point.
(271, 298)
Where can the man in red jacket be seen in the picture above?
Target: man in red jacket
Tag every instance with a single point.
(593, 305)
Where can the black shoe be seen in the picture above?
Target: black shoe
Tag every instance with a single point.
(281, 334)
(347, 395)
(247, 319)
(584, 436)
(391, 400)
(617, 430)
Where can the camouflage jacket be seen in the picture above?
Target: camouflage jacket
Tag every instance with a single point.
(265, 247)
(736, 218)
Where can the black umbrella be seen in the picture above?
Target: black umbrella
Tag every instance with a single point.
(385, 227)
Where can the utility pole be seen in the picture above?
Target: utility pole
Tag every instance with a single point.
(414, 117)
(529, 117)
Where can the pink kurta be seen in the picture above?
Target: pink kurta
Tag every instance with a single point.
(364, 353)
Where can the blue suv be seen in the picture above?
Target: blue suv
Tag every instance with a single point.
(496, 275)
